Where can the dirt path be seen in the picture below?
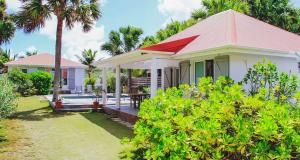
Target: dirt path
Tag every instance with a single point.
(37, 133)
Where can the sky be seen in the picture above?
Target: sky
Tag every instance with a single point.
(150, 15)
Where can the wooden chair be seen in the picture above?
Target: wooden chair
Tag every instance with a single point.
(131, 93)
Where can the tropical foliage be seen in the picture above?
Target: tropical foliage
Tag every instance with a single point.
(215, 6)
(22, 83)
(7, 97)
(123, 41)
(90, 81)
(87, 58)
(31, 53)
(217, 120)
(171, 29)
(279, 13)
(42, 82)
(34, 14)
(6, 56)
(7, 28)
(281, 86)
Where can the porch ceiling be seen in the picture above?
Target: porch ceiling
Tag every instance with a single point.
(137, 60)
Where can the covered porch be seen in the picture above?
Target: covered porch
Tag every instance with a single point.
(155, 62)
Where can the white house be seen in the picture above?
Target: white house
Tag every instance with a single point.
(72, 73)
(224, 44)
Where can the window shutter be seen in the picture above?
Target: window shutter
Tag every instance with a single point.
(221, 66)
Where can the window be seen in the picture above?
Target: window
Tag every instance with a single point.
(24, 70)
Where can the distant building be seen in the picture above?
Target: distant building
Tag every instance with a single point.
(72, 73)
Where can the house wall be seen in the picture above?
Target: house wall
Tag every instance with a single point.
(239, 64)
(30, 70)
(71, 78)
(79, 77)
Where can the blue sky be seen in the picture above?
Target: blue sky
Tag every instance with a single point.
(150, 15)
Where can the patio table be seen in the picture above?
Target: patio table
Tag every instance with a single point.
(137, 98)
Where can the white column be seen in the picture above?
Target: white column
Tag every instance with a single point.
(118, 87)
(153, 79)
(104, 86)
(163, 78)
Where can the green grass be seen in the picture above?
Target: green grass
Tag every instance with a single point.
(38, 133)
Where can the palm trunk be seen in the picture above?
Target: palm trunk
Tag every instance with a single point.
(57, 58)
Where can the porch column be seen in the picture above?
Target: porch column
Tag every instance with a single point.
(153, 79)
(118, 87)
(104, 86)
(163, 78)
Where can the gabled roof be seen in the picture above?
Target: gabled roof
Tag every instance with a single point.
(44, 60)
(233, 28)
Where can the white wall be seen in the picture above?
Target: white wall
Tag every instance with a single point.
(239, 64)
(79, 77)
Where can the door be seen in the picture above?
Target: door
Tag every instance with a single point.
(199, 71)
(221, 66)
(209, 68)
(184, 72)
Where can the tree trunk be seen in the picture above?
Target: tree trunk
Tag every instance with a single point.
(58, 44)
(129, 79)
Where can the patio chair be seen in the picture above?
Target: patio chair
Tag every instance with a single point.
(133, 91)
(78, 90)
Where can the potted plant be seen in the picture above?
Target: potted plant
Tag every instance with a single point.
(97, 92)
(58, 103)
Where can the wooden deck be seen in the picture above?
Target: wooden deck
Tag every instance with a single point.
(125, 113)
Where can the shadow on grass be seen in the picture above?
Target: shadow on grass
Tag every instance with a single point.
(38, 114)
(118, 130)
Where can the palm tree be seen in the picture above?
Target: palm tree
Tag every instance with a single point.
(7, 28)
(31, 53)
(215, 6)
(279, 13)
(115, 45)
(124, 41)
(88, 57)
(6, 56)
(34, 14)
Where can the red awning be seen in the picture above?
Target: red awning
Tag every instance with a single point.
(173, 46)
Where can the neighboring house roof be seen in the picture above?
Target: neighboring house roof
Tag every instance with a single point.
(44, 60)
(236, 29)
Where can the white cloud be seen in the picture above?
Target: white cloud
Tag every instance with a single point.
(177, 9)
(31, 49)
(13, 5)
(74, 41)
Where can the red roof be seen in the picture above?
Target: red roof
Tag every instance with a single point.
(232, 28)
(44, 60)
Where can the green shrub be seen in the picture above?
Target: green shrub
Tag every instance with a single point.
(42, 82)
(23, 84)
(216, 121)
(265, 75)
(7, 97)
(90, 81)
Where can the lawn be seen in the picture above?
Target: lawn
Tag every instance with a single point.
(35, 132)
